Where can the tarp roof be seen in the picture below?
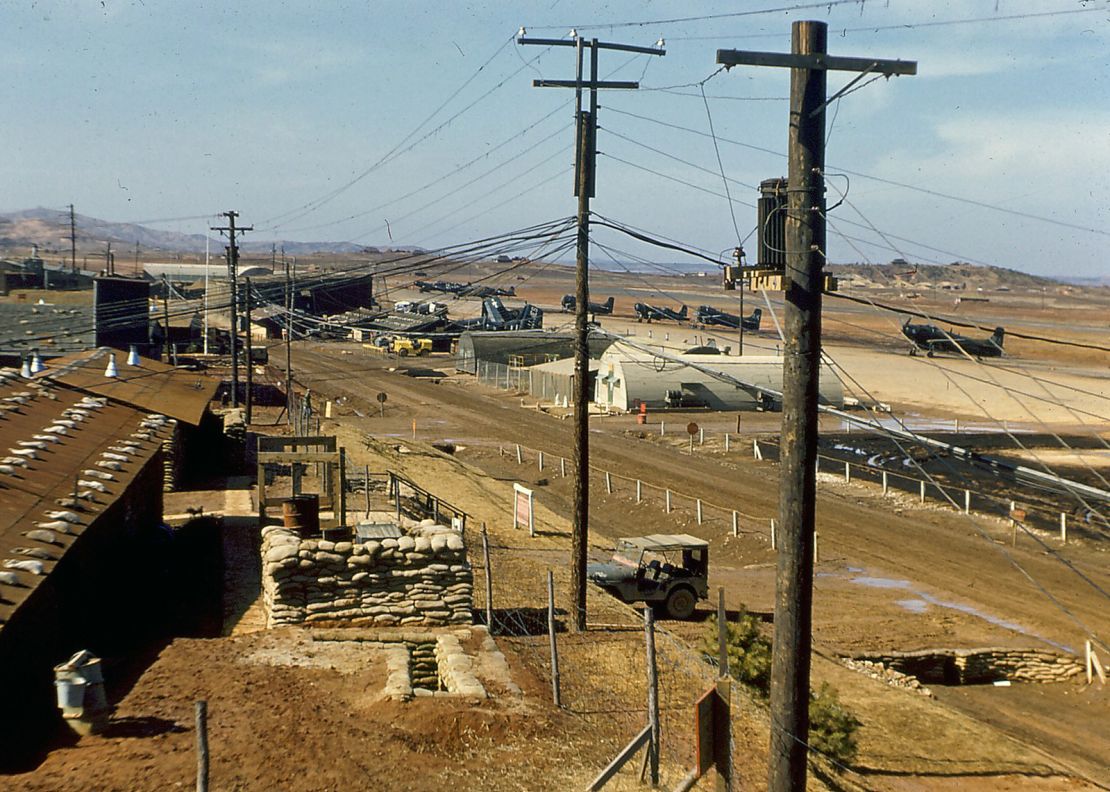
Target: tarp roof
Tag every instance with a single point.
(664, 541)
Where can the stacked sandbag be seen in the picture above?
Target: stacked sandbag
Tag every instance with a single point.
(412, 580)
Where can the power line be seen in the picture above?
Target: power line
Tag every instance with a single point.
(904, 25)
(890, 182)
(829, 4)
(397, 150)
(440, 179)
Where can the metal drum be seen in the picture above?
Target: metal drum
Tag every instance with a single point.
(301, 514)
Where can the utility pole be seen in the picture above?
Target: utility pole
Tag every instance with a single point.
(108, 260)
(232, 270)
(803, 281)
(166, 317)
(250, 354)
(584, 181)
(738, 254)
(72, 239)
(136, 257)
(288, 340)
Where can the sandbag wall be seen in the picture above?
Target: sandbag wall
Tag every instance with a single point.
(978, 666)
(422, 579)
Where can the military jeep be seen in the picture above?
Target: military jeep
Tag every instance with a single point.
(668, 571)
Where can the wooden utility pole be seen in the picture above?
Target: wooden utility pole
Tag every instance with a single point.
(165, 317)
(288, 340)
(584, 181)
(250, 355)
(72, 239)
(802, 282)
(232, 274)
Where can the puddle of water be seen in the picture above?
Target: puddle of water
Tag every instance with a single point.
(882, 583)
(913, 605)
(923, 600)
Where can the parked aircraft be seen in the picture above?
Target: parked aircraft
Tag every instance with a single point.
(708, 315)
(487, 291)
(931, 339)
(570, 302)
(495, 316)
(650, 313)
(446, 287)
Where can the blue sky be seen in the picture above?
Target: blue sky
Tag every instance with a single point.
(143, 109)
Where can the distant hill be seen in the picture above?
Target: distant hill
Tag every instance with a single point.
(49, 229)
(958, 275)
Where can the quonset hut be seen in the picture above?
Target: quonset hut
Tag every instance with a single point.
(524, 347)
(629, 376)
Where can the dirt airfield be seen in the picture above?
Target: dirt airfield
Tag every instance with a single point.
(316, 723)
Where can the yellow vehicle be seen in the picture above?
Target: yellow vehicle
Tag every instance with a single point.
(404, 346)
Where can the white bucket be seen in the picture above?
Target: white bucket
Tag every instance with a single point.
(71, 693)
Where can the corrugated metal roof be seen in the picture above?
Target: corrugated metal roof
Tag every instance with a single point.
(151, 385)
(51, 329)
(39, 474)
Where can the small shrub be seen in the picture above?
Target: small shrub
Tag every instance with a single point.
(832, 726)
(749, 651)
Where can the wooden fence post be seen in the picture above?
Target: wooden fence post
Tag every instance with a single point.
(884, 483)
(519, 457)
(774, 546)
(489, 580)
(922, 491)
(202, 744)
(662, 428)
(551, 633)
(668, 501)
(722, 634)
(701, 435)
(735, 524)
(366, 481)
(698, 502)
(816, 551)
(1063, 527)
(562, 467)
(653, 695)
(726, 442)
(539, 459)
(639, 490)
(847, 472)
(608, 483)
(967, 501)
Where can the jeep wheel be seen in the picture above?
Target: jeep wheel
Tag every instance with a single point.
(680, 603)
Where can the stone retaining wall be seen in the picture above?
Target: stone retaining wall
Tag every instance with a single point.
(977, 666)
(422, 579)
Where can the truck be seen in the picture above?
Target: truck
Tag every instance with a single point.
(405, 346)
(668, 571)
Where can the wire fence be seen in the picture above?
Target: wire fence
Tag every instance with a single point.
(602, 675)
(734, 521)
(500, 375)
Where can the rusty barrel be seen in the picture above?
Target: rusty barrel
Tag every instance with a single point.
(301, 514)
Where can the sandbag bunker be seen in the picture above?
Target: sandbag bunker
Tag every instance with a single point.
(411, 574)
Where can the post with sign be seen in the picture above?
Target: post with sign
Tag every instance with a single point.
(523, 513)
(692, 430)
(381, 402)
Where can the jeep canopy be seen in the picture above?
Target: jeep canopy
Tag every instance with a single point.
(662, 542)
